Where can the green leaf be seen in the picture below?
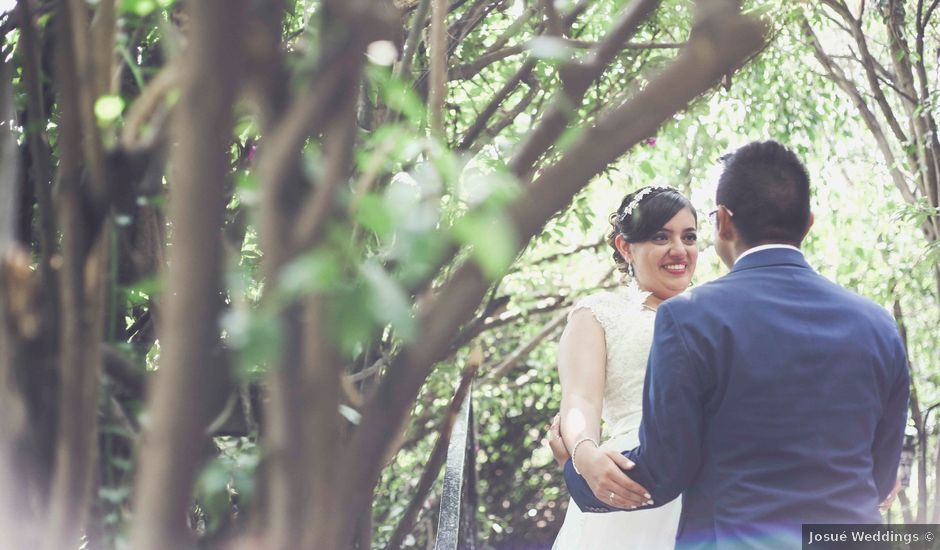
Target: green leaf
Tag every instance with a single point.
(373, 214)
(397, 94)
(550, 48)
(389, 302)
(492, 239)
(141, 8)
(212, 489)
(448, 165)
(214, 477)
(415, 200)
(418, 254)
(121, 463)
(313, 272)
(246, 181)
(114, 495)
(352, 322)
(148, 286)
(495, 189)
(108, 108)
(257, 337)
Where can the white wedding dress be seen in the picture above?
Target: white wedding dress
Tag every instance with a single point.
(628, 329)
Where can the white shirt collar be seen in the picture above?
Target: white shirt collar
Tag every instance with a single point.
(766, 247)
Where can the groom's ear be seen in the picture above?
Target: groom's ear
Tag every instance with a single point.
(726, 229)
(809, 224)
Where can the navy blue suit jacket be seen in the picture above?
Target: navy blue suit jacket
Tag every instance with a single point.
(773, 398)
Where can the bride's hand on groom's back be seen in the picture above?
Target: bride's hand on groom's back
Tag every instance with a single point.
(556, 443)
(603, 469)
(883, 507)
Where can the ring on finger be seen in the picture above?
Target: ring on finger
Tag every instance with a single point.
(612, 496)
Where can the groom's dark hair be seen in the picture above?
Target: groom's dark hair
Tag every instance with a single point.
(766, 187)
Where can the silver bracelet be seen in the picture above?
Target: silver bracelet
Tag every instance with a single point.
(574, 452)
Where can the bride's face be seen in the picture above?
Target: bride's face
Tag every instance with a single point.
(664, 264)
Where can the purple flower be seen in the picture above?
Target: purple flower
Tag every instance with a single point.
(650, 141)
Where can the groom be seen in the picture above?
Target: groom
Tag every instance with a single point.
(773, 397)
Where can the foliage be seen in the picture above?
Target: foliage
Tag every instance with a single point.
(409, 214)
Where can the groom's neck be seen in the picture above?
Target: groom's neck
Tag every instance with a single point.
(739, 248)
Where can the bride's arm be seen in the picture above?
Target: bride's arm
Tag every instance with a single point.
(582, 360)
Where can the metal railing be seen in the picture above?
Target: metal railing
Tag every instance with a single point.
(456, 526)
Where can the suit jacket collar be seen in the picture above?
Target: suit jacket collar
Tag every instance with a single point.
(771, 257)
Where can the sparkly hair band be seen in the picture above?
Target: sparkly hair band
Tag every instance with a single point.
(639, 198)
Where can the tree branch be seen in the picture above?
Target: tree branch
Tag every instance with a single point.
(103, 26)
(552, 258)
(84, 261)
(512, 30)
(319, 423)
(581, 76)
(514, 113)
(87, 92)
(927, 166)
(338, 149)
(403, 69)
(513, 359)
(39, 153)
(470, 70)
(438, 69)
(933, 152)
(718, 45)
(933, 6)
(14, 517)
(480, 124)
(460, 29)
(191, 372)
(869, 65)
(867, 115)
(554, 25)
(143, 109)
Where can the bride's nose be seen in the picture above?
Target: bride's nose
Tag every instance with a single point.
(677, 249)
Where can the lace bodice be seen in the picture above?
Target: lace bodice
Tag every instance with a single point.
(628, 330)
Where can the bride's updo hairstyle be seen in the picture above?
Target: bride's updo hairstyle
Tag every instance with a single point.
(641, 214)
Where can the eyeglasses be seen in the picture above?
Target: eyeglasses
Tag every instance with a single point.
(713, 215)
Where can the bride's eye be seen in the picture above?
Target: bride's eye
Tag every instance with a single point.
(690, 238)
(659, 238)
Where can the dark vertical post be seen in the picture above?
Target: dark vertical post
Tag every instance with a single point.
(449, 524)
(467, 535)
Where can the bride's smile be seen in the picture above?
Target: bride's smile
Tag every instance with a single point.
(676, 269)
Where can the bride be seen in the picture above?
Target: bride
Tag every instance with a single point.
(602, 364)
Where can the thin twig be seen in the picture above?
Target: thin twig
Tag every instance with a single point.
(403, 69)
(557, 256)
(437, 93)
(521, 352)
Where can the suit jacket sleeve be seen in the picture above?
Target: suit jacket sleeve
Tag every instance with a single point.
(889, 434)
(669, 454)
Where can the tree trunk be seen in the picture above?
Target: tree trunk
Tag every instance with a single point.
(192, 375)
